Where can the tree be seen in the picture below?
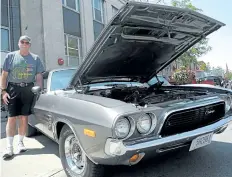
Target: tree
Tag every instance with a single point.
(198, 49)
(208, 67)
(218, 71)
(202, 65)
(228, 75)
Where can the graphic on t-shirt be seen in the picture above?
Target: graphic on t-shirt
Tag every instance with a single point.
(22, 71)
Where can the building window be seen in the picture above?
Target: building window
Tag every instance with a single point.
(73, 50)
(72, 4)
(98, 10)
(72, 22)
(5, 40)
(4, 13)
(114, 10)
(98, 17)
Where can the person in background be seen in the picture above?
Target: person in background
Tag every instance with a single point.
(21, 69)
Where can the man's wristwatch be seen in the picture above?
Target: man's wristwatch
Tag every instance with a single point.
(2, 91)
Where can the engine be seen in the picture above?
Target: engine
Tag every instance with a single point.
(143, 95)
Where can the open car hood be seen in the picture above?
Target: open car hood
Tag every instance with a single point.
(140, 41)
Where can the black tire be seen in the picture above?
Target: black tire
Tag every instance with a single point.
(90, 170)
(31, 131)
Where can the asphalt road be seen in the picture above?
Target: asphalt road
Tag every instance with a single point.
(214, 160)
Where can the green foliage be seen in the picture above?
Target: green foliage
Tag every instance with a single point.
(198, 49)
(202, 65)
(218, 71)
(228, 75)
(183, 76)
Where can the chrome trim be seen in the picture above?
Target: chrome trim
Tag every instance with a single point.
(225, 97)
(132, 127)
(49, 79)
(153, 125)
(161, 150)
(182, 109)
(187, 136)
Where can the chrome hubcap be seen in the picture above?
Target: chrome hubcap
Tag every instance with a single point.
(75, 158)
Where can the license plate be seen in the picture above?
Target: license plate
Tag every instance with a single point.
(201, 141)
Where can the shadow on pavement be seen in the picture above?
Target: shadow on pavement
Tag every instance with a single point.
(50, 147)
(47, 146)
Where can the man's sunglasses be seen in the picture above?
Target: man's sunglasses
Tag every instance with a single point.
(22, 42)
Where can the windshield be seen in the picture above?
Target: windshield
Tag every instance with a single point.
(161, 79)
(61, 79)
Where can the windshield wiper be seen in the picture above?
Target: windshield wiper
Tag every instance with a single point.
(115, 85)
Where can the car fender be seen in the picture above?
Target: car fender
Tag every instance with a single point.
(69, 124)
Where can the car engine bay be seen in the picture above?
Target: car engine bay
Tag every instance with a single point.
(145, 95)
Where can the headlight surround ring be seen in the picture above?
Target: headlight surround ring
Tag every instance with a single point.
(153, 122)
(228, 102)
(122, 128)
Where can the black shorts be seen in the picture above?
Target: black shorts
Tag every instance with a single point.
(20, 101)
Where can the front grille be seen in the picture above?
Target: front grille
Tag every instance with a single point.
(187, 120)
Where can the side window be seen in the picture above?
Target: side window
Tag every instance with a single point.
(61, 79)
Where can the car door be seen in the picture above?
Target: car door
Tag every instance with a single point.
(57, 80)
(41, 107)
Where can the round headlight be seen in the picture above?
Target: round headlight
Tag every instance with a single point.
(122, 128)
(144, 124)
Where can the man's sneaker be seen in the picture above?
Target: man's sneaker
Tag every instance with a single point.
(9, 153)
(21, 147)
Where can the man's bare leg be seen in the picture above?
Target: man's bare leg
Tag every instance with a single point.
(23, 124)
(10, 132)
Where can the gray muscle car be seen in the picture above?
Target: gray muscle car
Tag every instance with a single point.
(106, 112)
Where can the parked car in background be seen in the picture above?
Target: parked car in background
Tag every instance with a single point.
(124, 119)
(212, 80)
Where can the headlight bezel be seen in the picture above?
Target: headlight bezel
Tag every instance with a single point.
(228, 106)
(153, 118)
(133, 118)
(131, 127)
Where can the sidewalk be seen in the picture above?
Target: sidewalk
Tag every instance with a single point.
(41, 159)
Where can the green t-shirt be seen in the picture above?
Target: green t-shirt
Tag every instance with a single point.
(22, 68)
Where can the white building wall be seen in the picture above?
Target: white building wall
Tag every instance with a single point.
(53, 32)
(87, 19)
(86, 25)
(31, 25)
(42, 20)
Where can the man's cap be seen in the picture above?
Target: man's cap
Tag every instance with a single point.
(26, 38)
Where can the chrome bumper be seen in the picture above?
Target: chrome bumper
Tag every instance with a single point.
(117, 148)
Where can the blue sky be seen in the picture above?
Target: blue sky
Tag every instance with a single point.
(221, 40)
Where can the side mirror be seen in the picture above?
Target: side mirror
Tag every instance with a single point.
(36, 89)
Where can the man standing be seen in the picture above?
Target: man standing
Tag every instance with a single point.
(21, 69)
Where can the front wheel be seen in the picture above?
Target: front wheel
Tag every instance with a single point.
(73, 159)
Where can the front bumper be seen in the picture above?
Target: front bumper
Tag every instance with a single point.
(124, 151)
